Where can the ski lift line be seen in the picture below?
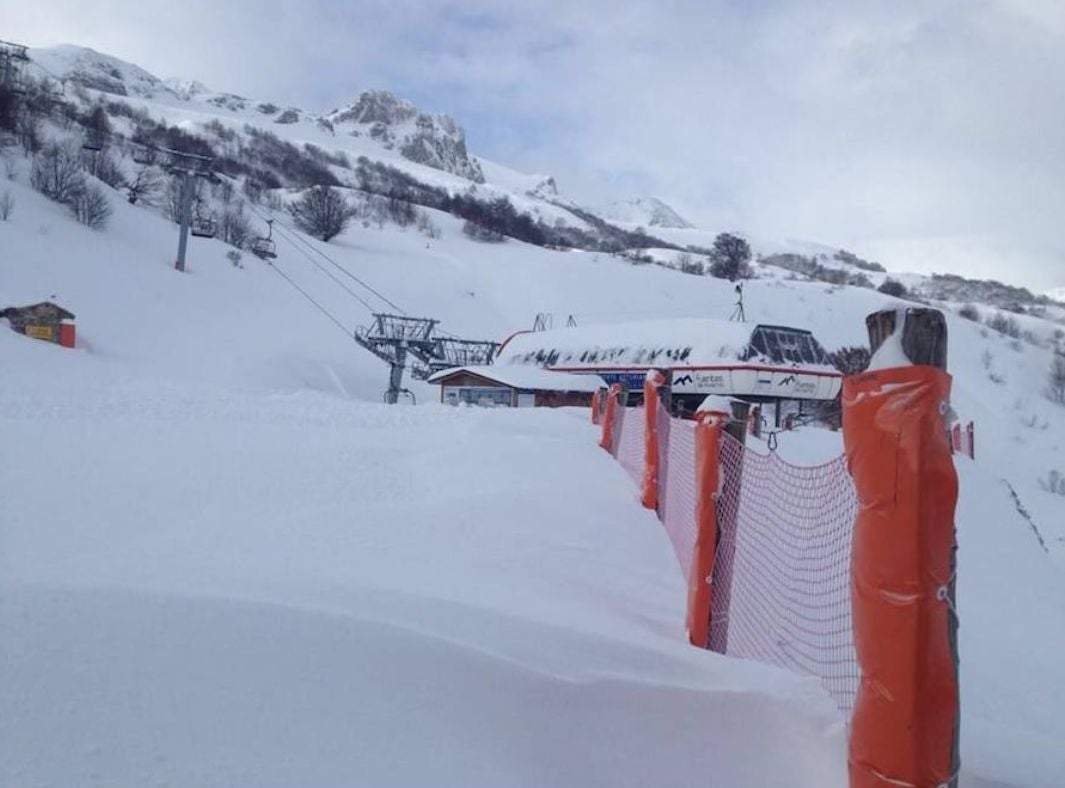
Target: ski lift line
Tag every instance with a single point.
(347, 332)
(333, 262)
(294, 239)
(348, 273)
(326, 271)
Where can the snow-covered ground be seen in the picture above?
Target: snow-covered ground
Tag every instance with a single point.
(223, 563)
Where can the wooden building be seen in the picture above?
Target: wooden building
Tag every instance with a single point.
(514, 387)
(45, 320)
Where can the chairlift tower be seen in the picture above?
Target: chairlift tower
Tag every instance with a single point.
(455, 352)
(12, 56)
(391, 338)
(398, 340)
(187, 167)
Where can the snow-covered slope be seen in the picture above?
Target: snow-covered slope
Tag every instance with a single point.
(1057, 294)
(645, 211)
(224, 563)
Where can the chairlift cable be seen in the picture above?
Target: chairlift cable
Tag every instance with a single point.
(345, 271)
(305, 294)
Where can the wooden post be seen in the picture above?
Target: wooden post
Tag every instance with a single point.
(924, 334)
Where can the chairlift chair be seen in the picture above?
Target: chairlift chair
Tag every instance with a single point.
(142, 154)
(94, 141)
(264, 247)
(203, 227)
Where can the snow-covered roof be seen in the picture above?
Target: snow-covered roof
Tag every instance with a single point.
(527, 378)
(665, 343)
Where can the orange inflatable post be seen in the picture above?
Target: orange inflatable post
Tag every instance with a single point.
(904, 729)
(707, 483)
(607, 440)
(597, 396)
(651, 384)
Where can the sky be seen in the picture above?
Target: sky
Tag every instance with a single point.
(927, 134)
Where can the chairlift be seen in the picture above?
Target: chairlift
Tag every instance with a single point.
(204, 227)
(264, 247)
(142, 154)
(94, 141)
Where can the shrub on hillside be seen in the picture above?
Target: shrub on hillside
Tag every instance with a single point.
(7, 206)
(91, 207)
(321, 211)
(970, 312)
(731, 258)
(894, 288)
(481, 233)
(1056, 379)
(57, 172)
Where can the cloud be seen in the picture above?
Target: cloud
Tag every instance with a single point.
(926, 132)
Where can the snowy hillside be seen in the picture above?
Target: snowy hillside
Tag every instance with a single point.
(646, 211)
(225, 563)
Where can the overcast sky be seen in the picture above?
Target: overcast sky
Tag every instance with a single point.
(929, 135)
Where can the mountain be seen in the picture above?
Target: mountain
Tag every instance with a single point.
(433, 140)
(645, 211)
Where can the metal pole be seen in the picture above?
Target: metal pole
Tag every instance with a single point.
(395, 378)
(186, 212)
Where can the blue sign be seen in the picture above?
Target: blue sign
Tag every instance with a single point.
(634, 380)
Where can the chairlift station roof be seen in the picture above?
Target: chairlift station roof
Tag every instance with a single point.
(706, 356)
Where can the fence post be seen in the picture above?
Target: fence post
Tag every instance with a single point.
(904, 730)
(651, 384)
(971, 432)
(708, 429)
(597, 398)
(606, 442)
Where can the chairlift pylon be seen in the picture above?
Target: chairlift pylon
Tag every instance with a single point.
(264, 247)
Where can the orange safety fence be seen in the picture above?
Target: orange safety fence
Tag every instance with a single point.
(843, 571)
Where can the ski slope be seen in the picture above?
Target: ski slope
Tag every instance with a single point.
(223, 563)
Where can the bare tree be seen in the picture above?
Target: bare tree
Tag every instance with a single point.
(57, 172)
(1056, 379)
(322, 212)
(92, 207)
(105, 167)
(145, 185)
(234, 227)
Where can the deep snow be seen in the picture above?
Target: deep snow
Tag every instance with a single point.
(221, 564)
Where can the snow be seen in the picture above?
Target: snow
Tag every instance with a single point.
(298, 589)
(223, 564)
(710, 341)
(528, 378)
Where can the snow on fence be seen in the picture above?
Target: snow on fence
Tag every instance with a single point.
(781, 578)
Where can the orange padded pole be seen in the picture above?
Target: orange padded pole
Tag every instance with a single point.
(651, 384)
(607, 440)
(596, 403)
(904, 731)
(707, 483)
